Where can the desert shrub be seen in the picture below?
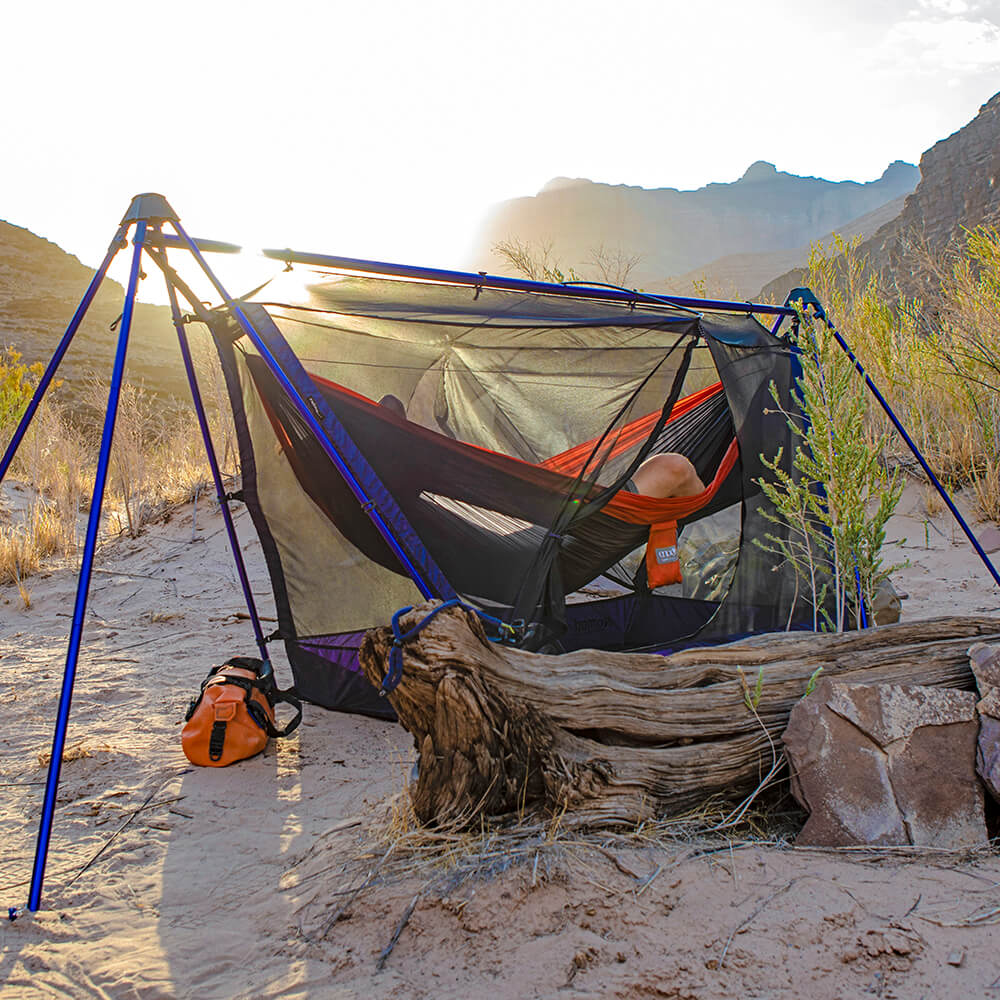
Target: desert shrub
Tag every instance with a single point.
(834, 507)
(48, 461)
(610, 264)
(967, 341)
(17, 383)
(157, 460)
(937, 362)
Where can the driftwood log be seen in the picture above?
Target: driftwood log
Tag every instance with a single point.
(616, 738)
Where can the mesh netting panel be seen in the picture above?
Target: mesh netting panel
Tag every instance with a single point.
(502, 414)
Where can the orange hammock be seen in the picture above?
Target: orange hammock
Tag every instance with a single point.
(661, 514)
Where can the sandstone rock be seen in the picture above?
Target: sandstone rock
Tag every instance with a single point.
(886, 605)
(989, 538)
(959, 189)
(886, 764)
(985, 661)
(988, 750)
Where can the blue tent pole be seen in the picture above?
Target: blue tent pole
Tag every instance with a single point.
(74, 324)
(484, 280)
(808, 298)
(83, 583)
(220, 490)
(426, 589)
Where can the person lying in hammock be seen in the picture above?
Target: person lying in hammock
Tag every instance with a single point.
(666, 475)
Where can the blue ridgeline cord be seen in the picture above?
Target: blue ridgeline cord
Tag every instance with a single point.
(391, 680)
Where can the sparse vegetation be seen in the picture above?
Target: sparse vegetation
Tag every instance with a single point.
(537, 261)
(17, 383)
(840, 495)
(938, 363)
(157, 460)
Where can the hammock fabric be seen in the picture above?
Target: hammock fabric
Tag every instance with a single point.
(470, 482)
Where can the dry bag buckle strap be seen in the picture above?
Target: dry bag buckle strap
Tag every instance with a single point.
(289, 698)
(217, 739)
(257, 713)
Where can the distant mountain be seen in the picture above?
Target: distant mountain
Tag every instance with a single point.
(676, 232)
(959, 189)
(741, 275)
(40, 288)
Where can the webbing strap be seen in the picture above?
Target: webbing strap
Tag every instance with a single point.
(267, 687)
(391, 680)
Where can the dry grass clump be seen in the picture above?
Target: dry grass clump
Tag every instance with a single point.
(23, 547)
(937, 362)
(397, 849)
(157, 461)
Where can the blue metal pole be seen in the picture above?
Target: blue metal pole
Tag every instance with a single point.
(314, 425)
(911, 444)
(43, 383)
(220, 490)
(83, 583)
(484, 280)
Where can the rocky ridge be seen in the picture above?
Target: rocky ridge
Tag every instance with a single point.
(959, 189)
(40, 288)
(674, 232)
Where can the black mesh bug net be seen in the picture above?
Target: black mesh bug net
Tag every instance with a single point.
(494, 431)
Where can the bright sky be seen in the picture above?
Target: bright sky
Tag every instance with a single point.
(388, 129)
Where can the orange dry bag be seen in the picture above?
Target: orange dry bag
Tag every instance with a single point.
(233, 716)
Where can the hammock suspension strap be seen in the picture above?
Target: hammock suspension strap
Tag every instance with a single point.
(505, 633)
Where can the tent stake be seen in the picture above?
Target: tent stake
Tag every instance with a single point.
(83, 583)
(74, 324)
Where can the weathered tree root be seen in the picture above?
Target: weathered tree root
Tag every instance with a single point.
(617, 738)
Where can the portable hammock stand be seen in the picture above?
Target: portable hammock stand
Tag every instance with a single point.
(321, 417)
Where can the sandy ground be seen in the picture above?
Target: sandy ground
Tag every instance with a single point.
(222, 883)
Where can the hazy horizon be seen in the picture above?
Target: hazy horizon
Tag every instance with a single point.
(391, 132)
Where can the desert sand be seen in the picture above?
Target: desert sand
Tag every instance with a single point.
(224, 883)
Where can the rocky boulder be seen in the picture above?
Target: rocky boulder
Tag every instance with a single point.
(959, 189)
(985, 661)
(886, 764)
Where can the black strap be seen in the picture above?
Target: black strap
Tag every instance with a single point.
(538, 580)
(265, 686)
(217, 740)
(287, 697)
